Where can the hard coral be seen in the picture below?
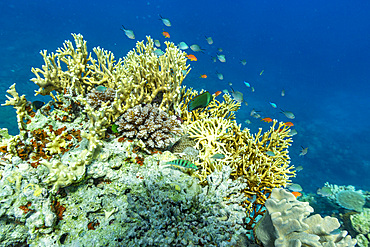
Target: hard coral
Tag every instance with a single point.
(149, 124)
(246, 155)
(96, 97)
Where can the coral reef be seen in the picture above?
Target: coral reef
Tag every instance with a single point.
(246, 155)
(360, 222)
(150, 124)
(287, 223)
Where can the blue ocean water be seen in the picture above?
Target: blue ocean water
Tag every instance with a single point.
(317, 51)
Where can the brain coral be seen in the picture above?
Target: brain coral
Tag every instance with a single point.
(351, 200)
(149, 124)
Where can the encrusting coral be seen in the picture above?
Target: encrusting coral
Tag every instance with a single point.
(287, 224)
(150, 124)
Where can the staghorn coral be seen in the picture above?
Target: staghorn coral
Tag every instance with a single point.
(149, 124)
(287, 223)
(246, 155)
(140, 77)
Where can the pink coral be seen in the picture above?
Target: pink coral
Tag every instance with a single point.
(149, 124)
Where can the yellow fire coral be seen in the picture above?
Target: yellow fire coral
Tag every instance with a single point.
(247, 155)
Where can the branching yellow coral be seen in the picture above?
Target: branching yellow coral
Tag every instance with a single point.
(246, 154)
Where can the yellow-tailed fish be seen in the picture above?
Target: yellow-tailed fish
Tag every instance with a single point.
(209, 40)
(196, 48)
(288, 114)
(222, 58)
(165, 21)
(200, 101)
(129, 33)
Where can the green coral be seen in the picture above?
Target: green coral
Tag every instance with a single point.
(361, 222)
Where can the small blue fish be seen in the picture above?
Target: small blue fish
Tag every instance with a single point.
(273, 104)
(270, 153)
(200, 101)
(247, 84)
(101, 89)
(182, 163)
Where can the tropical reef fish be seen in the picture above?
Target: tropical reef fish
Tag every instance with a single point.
(262, 72)
(247, 121)
(225, 91)
(290, 124)
(220, 49)
(36, 105)
(214, 59)
(218, 156)
(252, 89)
(114, 128)
(220, 76)
(295, 187)
(325, 191)
(157, 43)
(273, 104)
(247, 84)
(200, 101)
(209, 40)
(182, 163)
(288, 114)
(255, 114)
(165, 21)
(303, 151)
(183, 46)
(203, 76)
(222, 58)
(238, 96)
(243, 61)
(270, 153)
(283, 92)
(192, 57)
(101, 89)
(230, 83)
(129, 33)
(299, 168)
(267, 119)
(196, 48)
(293, 132)
(166, 34)
(218, 93)
(158, 52)
(296, 194)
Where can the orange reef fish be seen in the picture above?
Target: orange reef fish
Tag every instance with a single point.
(296, 194)
(217, 93)
(192, 57)
(290, 124)
(267, 119)
(203, 76)
(166, 34)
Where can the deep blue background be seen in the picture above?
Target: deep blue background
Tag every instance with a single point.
(318, 51)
